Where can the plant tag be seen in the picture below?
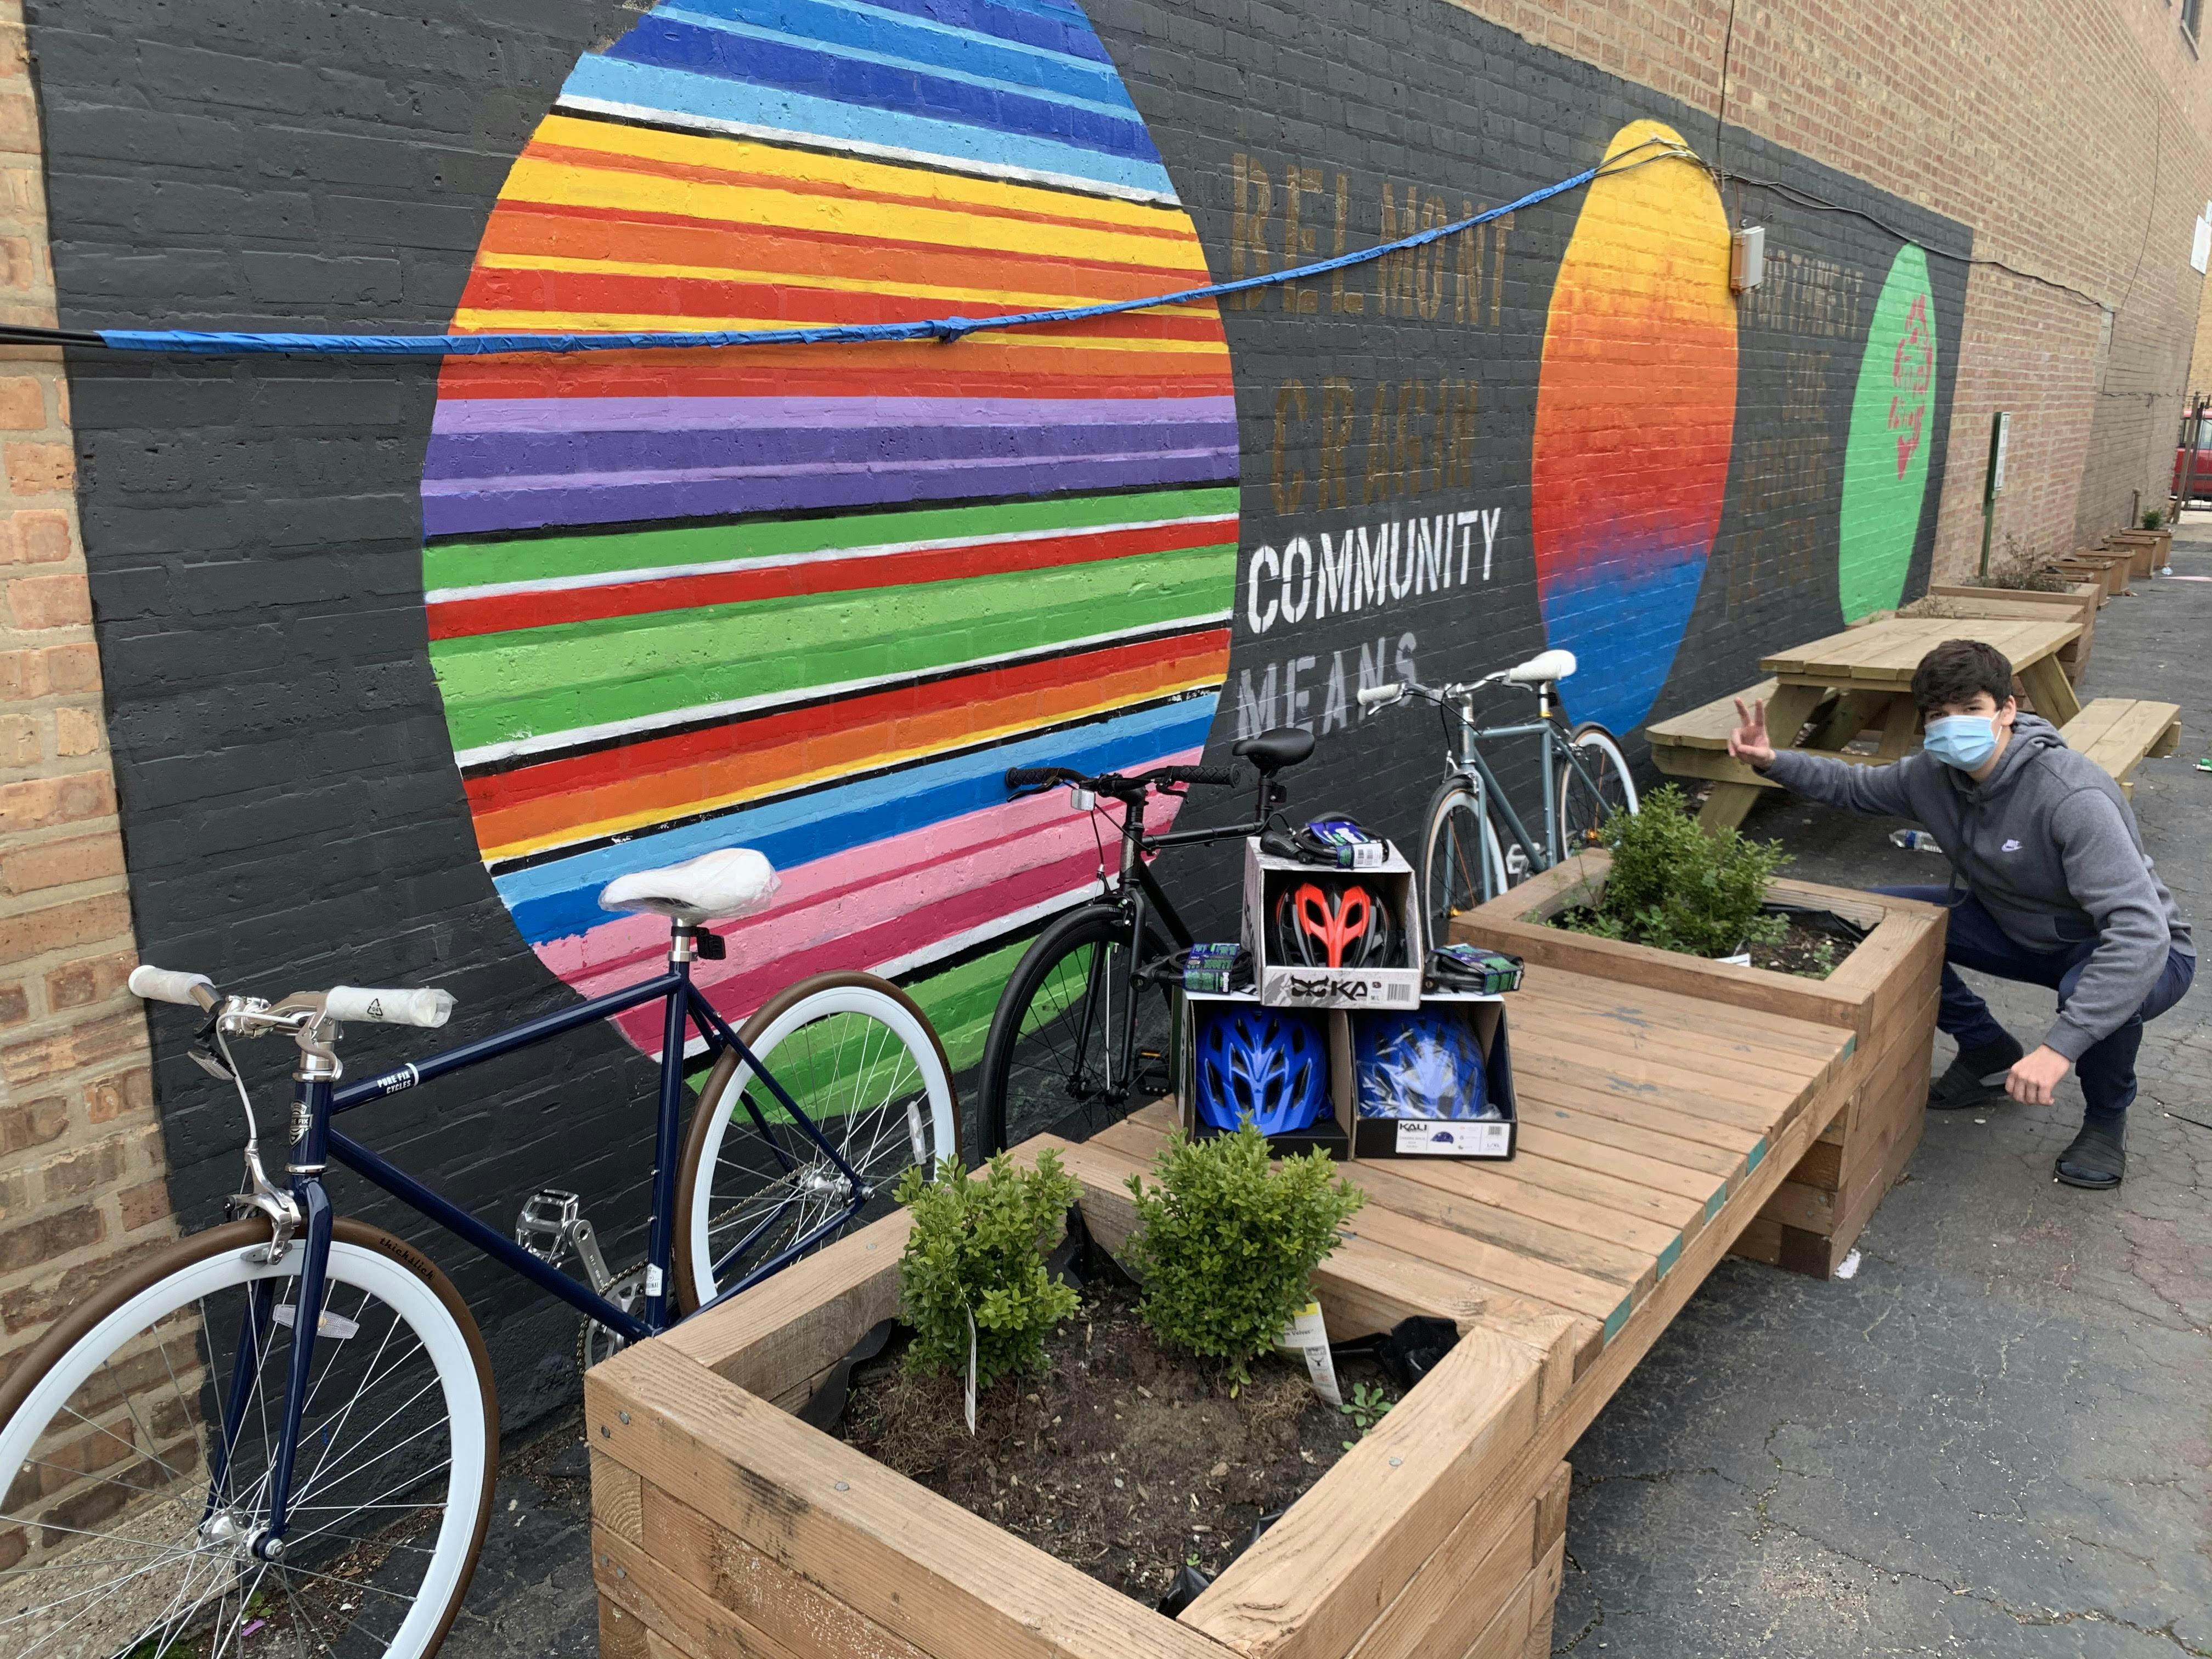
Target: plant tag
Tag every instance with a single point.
(1307, 1335)
(1741, 959)
(971, 1374)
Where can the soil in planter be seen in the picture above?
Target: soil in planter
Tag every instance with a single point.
(1124, 1460)
(1807, 952)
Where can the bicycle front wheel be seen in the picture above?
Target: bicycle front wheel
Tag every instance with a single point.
(139, 1438)
(1054, 1059)
(1593, 791)
(1461, 863)
(862, 1061)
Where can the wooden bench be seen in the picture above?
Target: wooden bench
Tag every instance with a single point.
(2119, 733)
(1694, 744)
(1649, 1138)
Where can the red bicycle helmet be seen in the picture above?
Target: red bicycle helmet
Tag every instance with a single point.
(1334, 922)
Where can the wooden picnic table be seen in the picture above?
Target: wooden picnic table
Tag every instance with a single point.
(1870, 671)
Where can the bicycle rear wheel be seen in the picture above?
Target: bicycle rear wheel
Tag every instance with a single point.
(1462, 863)
(855, 1054)
(1589, 796)
(1052, 1060)
(130, 1513)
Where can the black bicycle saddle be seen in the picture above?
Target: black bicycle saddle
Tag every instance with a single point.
(1271, 751)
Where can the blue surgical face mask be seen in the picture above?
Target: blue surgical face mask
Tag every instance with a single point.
(1962, 740)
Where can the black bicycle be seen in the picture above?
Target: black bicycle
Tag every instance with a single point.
(1081, 1030)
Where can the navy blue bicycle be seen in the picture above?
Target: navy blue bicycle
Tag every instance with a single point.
(184, 1471)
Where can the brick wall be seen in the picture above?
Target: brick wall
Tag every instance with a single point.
(291, 805)
(82, 1166)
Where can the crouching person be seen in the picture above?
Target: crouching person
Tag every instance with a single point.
(2049, 886)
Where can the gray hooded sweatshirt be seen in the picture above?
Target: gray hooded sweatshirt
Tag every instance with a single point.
(2047, 844)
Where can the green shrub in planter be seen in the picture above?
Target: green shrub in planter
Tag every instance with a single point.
(978, 1248)
(2152, 518)
(1227, 1242)
(1676, 886)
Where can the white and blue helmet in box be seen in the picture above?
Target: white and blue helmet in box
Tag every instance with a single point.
(1419, 1065)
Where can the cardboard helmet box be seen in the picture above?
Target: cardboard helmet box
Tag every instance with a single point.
(1432, 1098)
(1324, 953)
(1197, 1014)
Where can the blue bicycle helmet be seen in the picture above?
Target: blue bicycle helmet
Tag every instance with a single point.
(1423, 1064)
(1270, 1064)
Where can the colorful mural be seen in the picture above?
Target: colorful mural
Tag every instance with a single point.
(1635, 422)
(816, 599)
(1886, 461)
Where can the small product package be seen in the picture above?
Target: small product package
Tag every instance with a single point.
(1433, 1082)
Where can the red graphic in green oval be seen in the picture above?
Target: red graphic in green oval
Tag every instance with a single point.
(1886, 459)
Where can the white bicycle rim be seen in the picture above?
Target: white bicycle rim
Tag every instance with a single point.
(350, 1264)
(1603, 742)
(1493, 852)
(861, 999)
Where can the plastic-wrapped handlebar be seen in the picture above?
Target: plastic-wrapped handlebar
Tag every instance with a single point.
(1374, 696)
(162, 985)
(389, 1007)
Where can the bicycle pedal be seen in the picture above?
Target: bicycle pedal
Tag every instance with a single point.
(1153, 1071)
(547, 1217)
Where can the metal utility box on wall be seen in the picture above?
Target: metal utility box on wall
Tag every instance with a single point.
(1746, 258)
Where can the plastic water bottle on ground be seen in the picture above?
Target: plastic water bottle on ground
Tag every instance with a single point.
(1914, 840)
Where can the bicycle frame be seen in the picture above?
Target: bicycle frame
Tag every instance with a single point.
(1135, 888)
(1471, 762)
(316, 1101)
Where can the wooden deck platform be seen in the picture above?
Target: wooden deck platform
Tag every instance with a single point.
(1654, 1127)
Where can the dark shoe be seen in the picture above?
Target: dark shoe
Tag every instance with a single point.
(2097, 1159)
(1976, 1077)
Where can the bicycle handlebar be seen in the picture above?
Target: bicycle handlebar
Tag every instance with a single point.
(1225, 777)
(162, 985)
(1374, 696)
(400, 1005)
(1031, 777)
(1113, 783)
(421, 1006)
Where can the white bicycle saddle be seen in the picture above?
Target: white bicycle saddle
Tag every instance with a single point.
(731, 881)
(1542, 668)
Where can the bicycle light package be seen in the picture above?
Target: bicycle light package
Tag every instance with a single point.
(1323, 938)
(1277, 1065)
(1434, 1082)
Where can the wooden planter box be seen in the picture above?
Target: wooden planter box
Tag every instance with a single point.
(2106, 568)
(1884, 993)
(723, 1526)
(2080, 602)
(2147, 549)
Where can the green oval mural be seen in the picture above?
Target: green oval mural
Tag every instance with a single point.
(1886, 460)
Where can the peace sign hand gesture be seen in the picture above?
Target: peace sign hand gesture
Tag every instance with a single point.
(1748, 741)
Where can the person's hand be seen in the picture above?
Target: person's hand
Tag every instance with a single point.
(1748, 741)
(2033, 1079)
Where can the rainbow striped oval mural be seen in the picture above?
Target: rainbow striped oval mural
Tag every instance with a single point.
(1635, 422)
(816, 599)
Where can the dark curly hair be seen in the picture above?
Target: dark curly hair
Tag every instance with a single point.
(1954, 671)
